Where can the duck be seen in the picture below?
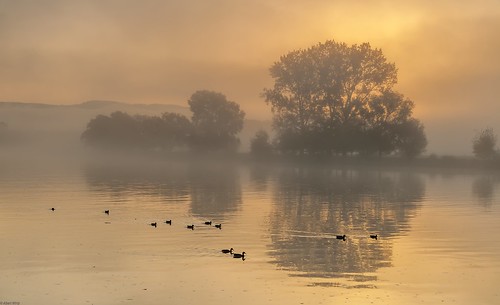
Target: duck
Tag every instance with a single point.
(341, 237)
(374, 236)
(190, 227)
(168, 222)
(218, 226)
(106, 212)
(227, 250)
(53, 209)
(153, 224)
(208, 223)
(239, 255)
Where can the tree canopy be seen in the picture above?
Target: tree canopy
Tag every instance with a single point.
(333, 97)
(260, 145)
(484, 144)
(214, 127)
(216, 121)
(123, 131)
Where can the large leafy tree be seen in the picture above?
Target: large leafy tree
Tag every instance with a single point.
(216, 121)
(336, 97)
(384, 119)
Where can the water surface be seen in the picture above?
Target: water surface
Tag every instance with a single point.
(437, 235)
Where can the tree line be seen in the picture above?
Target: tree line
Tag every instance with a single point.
(214, 126)
(329, 99)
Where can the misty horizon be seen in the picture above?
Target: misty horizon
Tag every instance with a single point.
(160, 52)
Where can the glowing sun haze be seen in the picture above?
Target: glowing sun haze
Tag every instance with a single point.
(153, 51)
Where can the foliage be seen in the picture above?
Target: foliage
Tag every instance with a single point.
(121, 130)
(214, 126)
(216, 121)
(484, 143)
(338, 98)
(117, 130)
(260, 145)
(411, 139)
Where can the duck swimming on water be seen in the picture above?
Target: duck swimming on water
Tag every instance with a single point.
(106, 212)
(227, 250)
(341, 237)
(239, 255)
(374, 236)
(208, 223)
(190, 227)
(168, 222)
(219, 226)
(153, 224)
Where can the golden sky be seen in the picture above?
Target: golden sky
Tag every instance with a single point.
(162, 51)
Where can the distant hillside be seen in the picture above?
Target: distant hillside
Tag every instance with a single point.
(99, 105)
(132, 108)
(36, 116)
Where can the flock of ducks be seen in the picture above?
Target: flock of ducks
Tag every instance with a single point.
(191, 227)
(219, 226)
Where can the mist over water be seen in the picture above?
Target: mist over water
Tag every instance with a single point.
(431, 226)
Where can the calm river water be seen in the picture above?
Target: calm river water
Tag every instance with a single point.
(438, 235)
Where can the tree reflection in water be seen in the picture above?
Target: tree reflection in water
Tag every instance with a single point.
(483, 188)
(121, 181)
(312, 206)
(213, 189)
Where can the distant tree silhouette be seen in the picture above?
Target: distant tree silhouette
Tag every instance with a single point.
(411, 139)
(176, 130)
(260, 145)
(214, 127)
(121, 130)
(216, 121)
(150, 132)
(336, 98)
(484, 143)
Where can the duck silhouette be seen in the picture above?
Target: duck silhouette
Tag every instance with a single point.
(227, 250)
(153, 224)
(341, 237)
(219, 226)
(239, 255)
(374, 236)
(190, 227)
(53, 209)
(168, 222)
(106, 212)
(208, 223)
